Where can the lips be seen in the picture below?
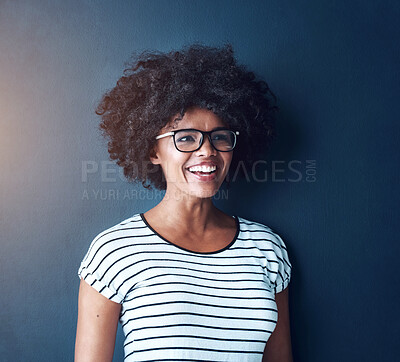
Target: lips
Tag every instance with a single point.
(204, 171)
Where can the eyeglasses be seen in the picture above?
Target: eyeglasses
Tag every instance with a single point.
(190, 140)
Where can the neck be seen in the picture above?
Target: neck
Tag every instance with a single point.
(187, 211)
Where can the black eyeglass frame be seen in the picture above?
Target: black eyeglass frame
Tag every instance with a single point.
(207, 133)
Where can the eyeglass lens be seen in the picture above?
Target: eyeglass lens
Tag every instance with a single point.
(189, 140)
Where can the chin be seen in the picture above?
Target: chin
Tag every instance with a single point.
(201, 193)
(204, 193)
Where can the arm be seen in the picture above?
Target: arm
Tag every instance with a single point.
(97, 326)
(279, 348)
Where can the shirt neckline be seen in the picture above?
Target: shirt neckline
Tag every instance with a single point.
(192, 251)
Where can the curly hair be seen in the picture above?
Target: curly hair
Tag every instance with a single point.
(157, 86)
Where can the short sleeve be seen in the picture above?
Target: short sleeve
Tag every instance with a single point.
(95, 266)
(281, 268)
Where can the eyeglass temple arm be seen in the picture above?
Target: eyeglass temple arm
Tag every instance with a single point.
(164, 135)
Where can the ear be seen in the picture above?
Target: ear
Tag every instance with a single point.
(155, 160)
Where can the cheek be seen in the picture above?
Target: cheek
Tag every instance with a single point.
(228, 159)
(176, 164)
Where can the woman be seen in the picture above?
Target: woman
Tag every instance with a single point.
(187, 281)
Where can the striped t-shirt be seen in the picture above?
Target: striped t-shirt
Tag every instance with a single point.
(180, 305)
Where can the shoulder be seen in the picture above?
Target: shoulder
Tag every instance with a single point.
(98, 268)
(270, 244)
(115, 236)
(125, 224)
(258, 231)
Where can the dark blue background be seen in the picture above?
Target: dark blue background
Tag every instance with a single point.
(334, 66)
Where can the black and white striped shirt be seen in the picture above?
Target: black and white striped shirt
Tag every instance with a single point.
(180, 305)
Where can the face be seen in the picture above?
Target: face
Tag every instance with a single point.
(180, 171)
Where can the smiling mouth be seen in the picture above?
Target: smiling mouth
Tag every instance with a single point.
(202, 170)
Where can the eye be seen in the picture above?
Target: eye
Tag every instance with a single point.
(185, 139)
(187, 136)
(220, 137)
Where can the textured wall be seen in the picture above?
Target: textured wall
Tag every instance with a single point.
(334, 198)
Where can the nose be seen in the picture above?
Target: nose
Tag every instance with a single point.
(206, 149)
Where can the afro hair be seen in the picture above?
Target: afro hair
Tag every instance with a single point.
(157, 86)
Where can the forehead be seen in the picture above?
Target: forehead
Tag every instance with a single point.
(197, 118)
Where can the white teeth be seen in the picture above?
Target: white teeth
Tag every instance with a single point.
(202, 168)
